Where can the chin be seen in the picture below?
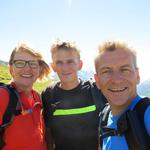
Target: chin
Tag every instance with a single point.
(27, 84)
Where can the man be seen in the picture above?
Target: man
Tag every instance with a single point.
(117, 75)
(70, 111)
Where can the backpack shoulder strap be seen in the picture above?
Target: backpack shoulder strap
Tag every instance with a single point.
(10, 110)
(48, 100)
(136, 135)
(141, 107)
(98, 97)
(103, 122)
(130, 124)
(1, 83)
(11, 107)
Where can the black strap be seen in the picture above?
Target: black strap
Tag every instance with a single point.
(10, 110)
(131, 124)
(109, 132)
(103, 117)
(137, 136)
(98, 97)
(141, 107)
(48, 106)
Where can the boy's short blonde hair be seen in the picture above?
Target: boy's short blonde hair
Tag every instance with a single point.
(64, 45)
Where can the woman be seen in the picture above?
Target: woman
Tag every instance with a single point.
(26, 132)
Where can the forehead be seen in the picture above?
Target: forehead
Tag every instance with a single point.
(115, 58)
(24, 56)
(64, 55)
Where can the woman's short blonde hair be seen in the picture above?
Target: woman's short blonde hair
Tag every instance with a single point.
(45, 69)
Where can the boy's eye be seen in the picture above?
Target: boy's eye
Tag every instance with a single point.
(71, 62)
(59, 63)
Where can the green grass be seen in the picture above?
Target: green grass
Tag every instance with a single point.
(4, 74)
(5, 77)
(40, 86)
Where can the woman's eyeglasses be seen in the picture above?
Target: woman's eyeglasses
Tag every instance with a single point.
(22, 63)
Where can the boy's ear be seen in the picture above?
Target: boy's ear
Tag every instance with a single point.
(80, 65)
(53, 67)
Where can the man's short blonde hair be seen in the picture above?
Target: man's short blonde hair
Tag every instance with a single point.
(112, 46)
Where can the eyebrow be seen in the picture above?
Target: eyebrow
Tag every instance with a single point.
(123, 66)
(127, 65)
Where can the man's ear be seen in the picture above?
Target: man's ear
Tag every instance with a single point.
(138, 75)
(97, 80)
(80, 64)
(53, 67)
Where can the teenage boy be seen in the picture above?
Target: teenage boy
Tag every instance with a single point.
(70, 111)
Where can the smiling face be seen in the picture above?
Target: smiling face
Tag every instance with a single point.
(24, 77)
(66, 64)
(117, 77)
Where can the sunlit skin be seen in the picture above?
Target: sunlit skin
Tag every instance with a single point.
(117, 77)
(24, 77)
(67, 64)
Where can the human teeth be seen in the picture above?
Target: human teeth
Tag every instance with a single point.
(117, 90)
(26, 75)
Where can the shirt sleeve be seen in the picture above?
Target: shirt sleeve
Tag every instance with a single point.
(4, 98)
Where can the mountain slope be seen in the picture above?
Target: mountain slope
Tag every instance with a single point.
(3, 62)
(144, 88)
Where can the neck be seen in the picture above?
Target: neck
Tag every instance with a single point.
(116, 110)
(69, 85)
(26, 90)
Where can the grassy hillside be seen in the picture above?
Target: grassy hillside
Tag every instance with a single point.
(4, 74)
(5, 77)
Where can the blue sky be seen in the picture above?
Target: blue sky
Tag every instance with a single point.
(88, 22)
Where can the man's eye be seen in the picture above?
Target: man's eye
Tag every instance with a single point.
(125, 71)
(106, 72)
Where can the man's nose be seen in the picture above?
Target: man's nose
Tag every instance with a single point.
(116, 76)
